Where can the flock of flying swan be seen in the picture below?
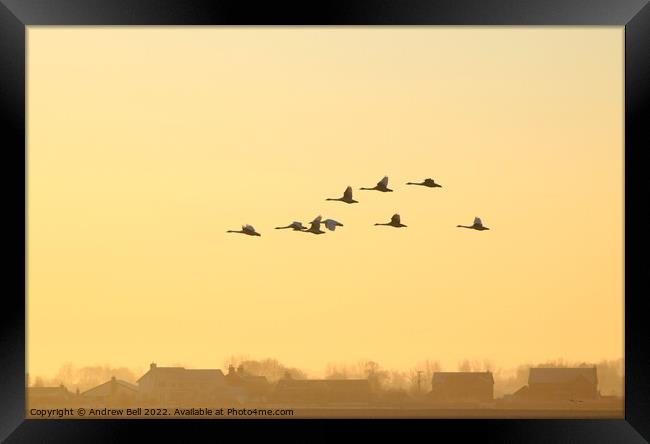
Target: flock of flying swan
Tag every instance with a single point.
(331, 224)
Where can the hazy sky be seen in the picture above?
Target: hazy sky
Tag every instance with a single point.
(146, 144)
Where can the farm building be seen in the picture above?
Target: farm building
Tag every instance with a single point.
(555, 383)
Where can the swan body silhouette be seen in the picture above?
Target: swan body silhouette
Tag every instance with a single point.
(295, 226)
(246, 229)
(428, 182)
(478, 225)
(382, 186)
(395, 221)
(347, 197)
(315, 226)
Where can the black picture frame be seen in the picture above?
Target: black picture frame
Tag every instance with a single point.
(16, 15)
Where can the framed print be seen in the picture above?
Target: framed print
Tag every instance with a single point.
(295, 217)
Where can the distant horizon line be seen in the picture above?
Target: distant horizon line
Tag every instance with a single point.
(474, 363)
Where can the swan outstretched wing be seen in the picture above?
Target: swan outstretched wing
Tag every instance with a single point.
(331, 224)
(477, 221)
(248, 228)
(347, 194)
(395, 219)
(383, 182)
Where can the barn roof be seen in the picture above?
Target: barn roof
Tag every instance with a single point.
(102, 388)
(550, 375)
(183, 373)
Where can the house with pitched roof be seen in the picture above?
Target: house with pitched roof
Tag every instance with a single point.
(246, 386)
(113, 392)
(181, 386)
(322, 391)
(557, 383)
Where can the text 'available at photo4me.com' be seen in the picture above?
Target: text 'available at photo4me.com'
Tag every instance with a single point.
(139, 412)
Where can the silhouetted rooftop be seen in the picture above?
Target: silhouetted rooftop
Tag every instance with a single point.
(105, 387)
(240, 376)
(549, 375)
(182, 372)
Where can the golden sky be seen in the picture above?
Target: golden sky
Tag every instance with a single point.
(146, 144)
